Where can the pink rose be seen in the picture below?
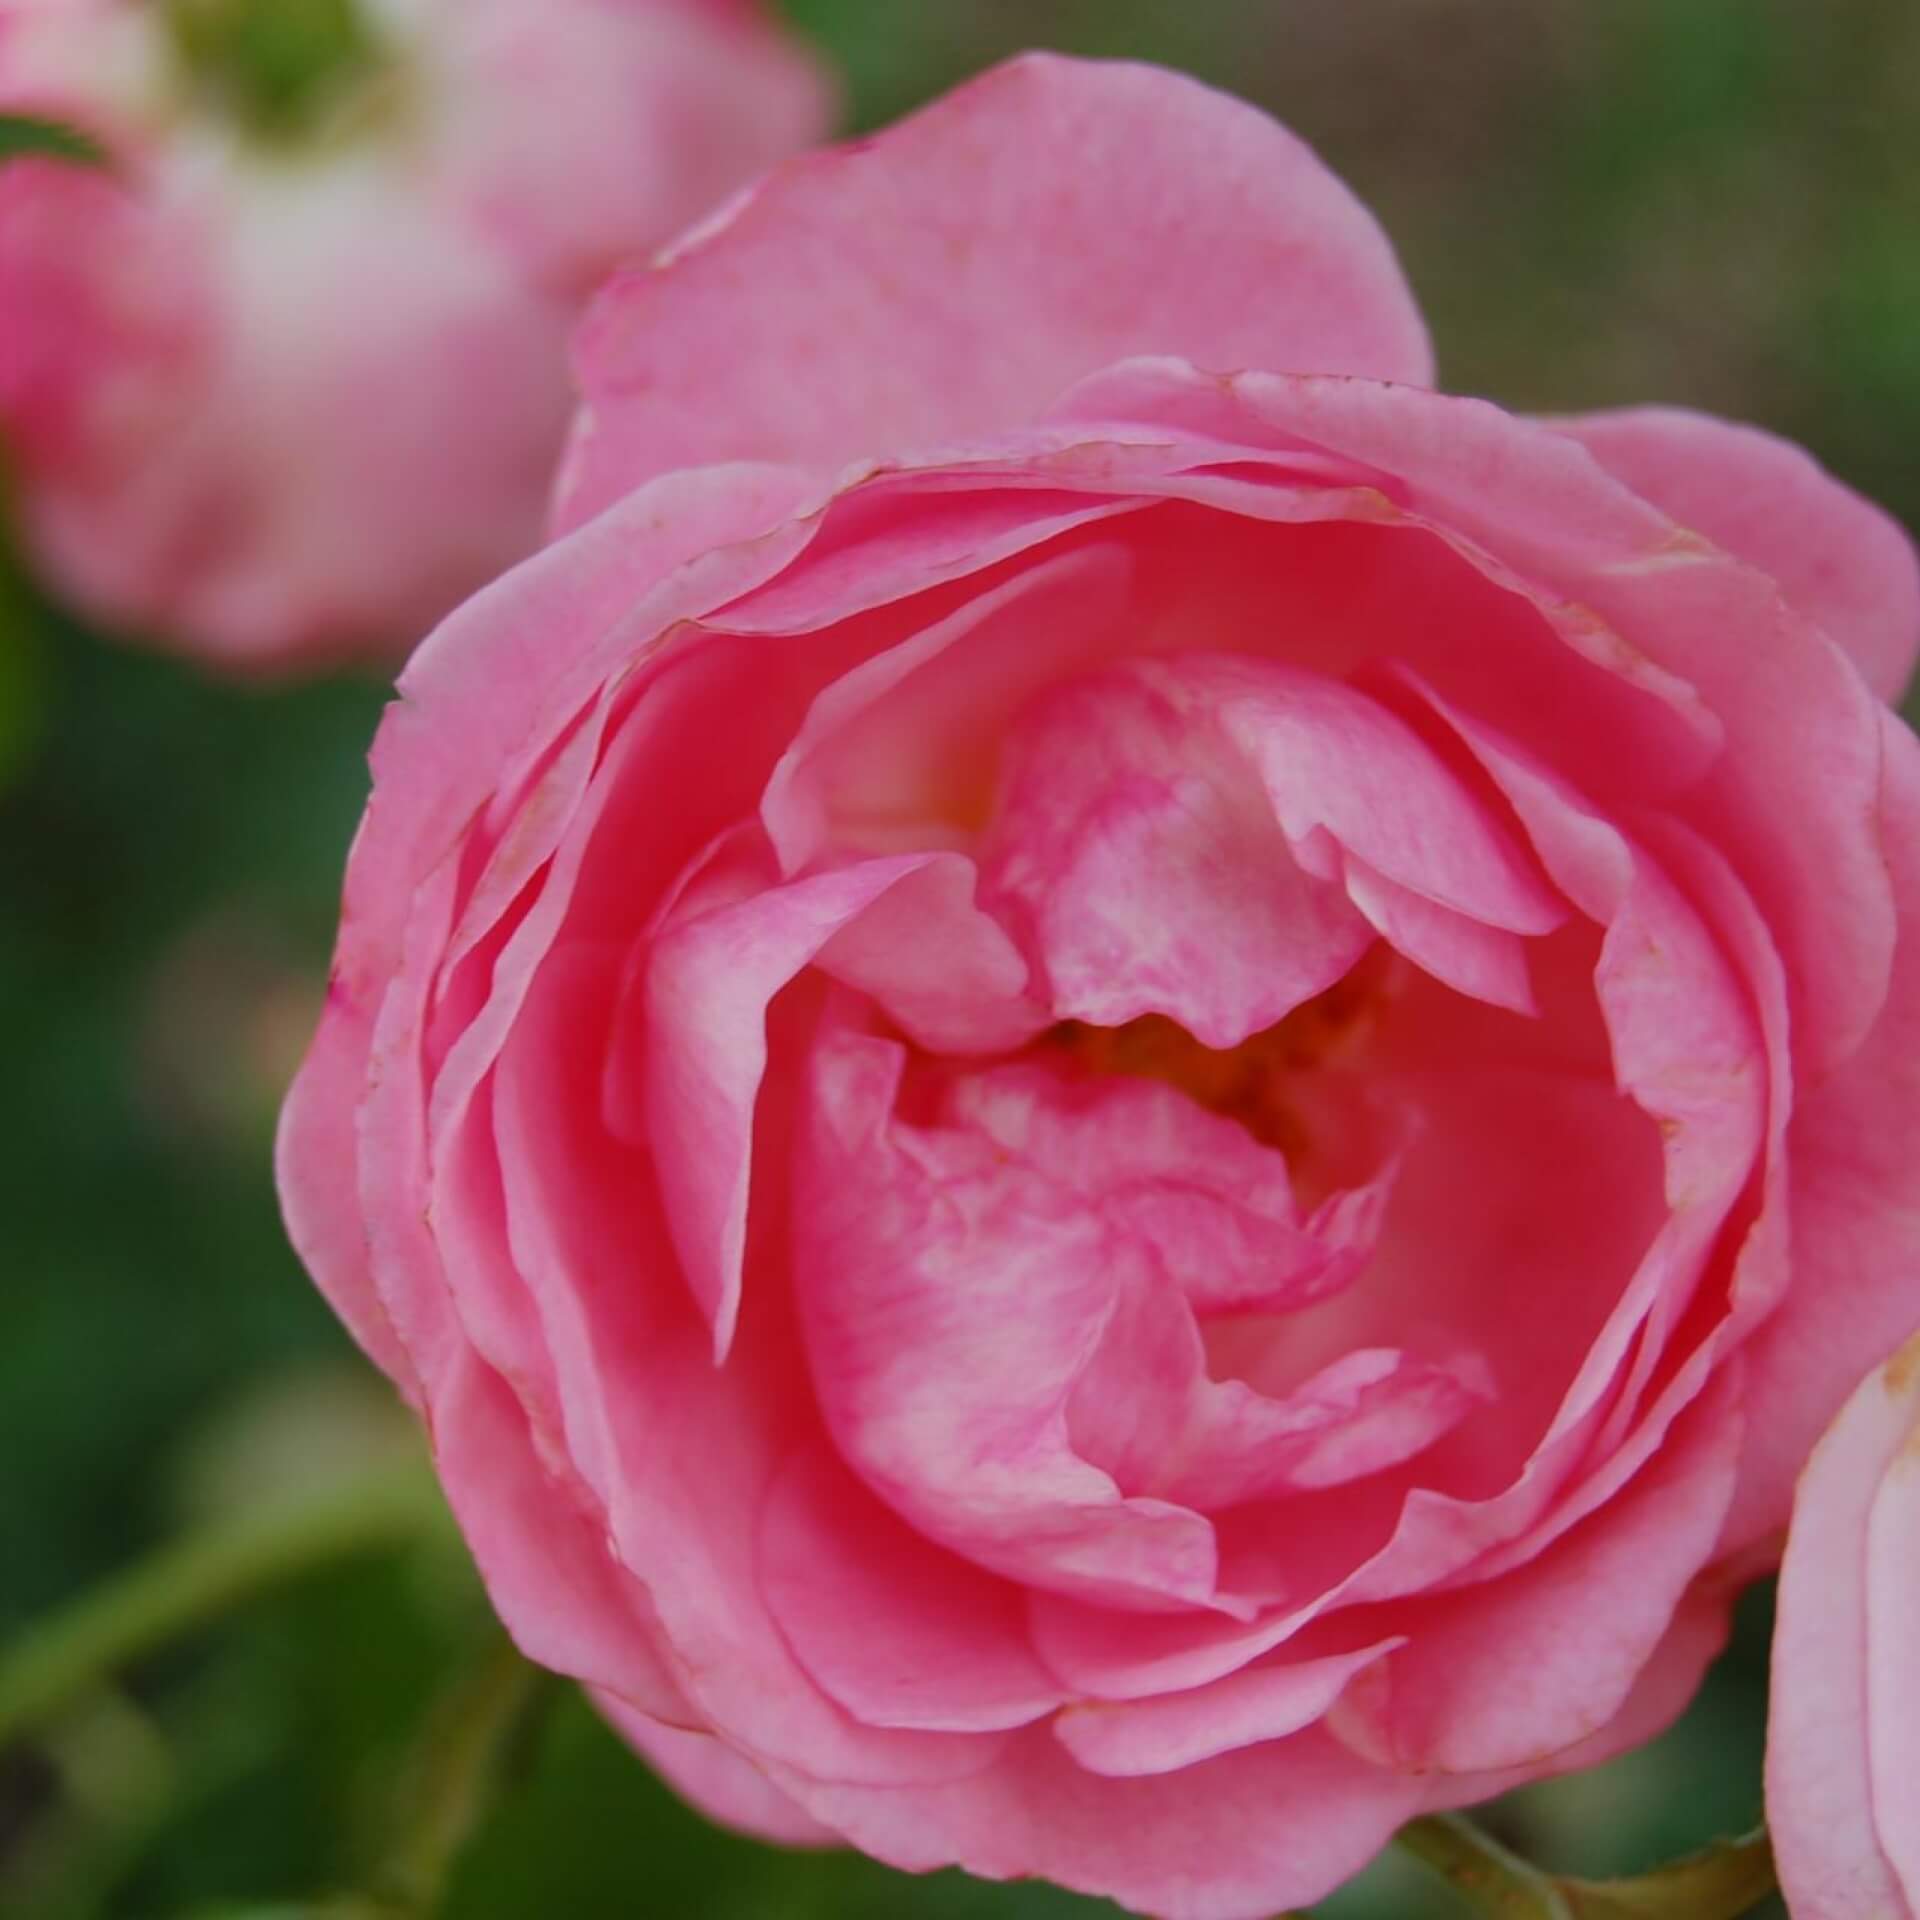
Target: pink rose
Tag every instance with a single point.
(1087, 1091)
(287, 391)
(1843, 1766)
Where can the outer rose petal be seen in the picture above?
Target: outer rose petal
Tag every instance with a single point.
(1204, 1843)
(1842, 561)
(956, 272)
(717, 1779)
(1843, 1662)
(1852, 1147)
(481, 700)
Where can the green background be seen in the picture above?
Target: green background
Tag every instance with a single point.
(1714, 202)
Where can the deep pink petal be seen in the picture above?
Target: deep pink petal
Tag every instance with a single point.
(1509, 1673)
(566, 1600)
(694, 1449)
(716, 1778)
(1260, 1703)
(899, 1632)
(1239, 1837)
(964, 267)
(482, 702)
(1852, 1148)
(1846, 564)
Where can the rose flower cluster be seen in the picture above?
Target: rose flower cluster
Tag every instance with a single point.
(1124, 1095)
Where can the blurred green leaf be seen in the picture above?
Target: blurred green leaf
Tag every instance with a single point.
(22, 133)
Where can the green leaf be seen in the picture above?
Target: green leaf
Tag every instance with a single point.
(22, 133)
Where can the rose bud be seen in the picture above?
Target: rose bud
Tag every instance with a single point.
(285, 377)
(1124, 1094)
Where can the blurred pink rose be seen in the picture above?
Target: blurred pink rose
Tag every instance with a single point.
(280, 395)
(1843, 1746)
(1087, 1090)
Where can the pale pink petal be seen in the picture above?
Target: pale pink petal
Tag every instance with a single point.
(950, 1300)
(1834, 1819)
(1146, 1411)
(710, 978)
(1453, 1271)
(1146, 871)
(1214, 1205)
(946, 973)
(1893, 1657)
(901, 751)
(964, 267)
(1846, 564)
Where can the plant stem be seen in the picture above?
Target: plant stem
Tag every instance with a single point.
(1474, 1864)
(196, 1580)
(465, 1756)
(1720, 1883)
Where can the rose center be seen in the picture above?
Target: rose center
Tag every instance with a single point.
(1258, 1082)
(285, 71)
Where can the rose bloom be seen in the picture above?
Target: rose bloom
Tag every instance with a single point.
(1843, 1767)
(284, 383)
(1124, 1113)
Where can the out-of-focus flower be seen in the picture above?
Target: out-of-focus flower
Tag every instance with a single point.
(286, 377)
(1843, 1739)
(1125, 1113)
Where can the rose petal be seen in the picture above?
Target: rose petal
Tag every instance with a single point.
(722, 1782)
(1092, 211)
(1177, 1730)
(1846, 565)
(950, 1300)
(1827, 1804)
(900, 1633)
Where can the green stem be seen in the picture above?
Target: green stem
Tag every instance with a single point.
(196, 1580)
(465, 1756)
(1720, 1883)
(1477, 1866)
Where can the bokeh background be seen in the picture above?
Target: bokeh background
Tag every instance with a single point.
(1714, 202)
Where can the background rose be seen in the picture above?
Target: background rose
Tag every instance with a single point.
(1840, 1778)
(862, 1096)
(289, 376)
